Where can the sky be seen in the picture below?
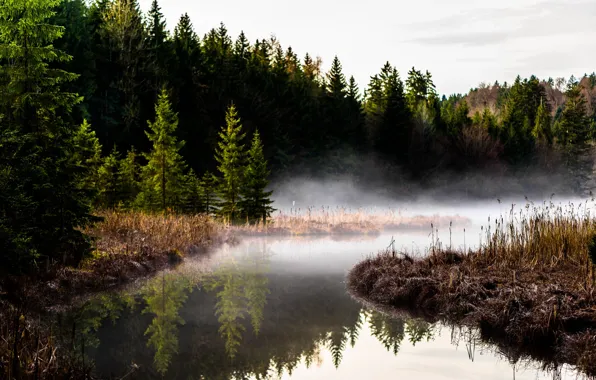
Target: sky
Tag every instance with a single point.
(461, 42)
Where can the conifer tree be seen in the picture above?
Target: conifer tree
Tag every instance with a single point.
(542, 127)
(573, 124)
(256, 203)
(163, 176)
(208, 193)
(37, 143)
(124, 30)
(108, 179)
(128, 179)
(336, 81)
(230, 156)
(88, 156)
(192, 193)
(159, 48)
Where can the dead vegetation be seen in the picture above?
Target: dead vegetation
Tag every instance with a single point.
(342, 221)
(127, 246)
(530, 284)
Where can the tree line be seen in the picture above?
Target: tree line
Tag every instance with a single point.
(125, 57)
(79, 83)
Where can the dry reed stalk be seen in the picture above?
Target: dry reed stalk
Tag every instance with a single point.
(340, 220)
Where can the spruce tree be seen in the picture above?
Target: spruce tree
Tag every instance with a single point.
(42, 207)
(128, 179)
(163, 176)
(256, 202)
(230, 156)
(87, 156)
(107, 184)
(192, 193)
(159, 48)
(542, 127)
(208, 192)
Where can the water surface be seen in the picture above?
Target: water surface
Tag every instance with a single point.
(278, 308)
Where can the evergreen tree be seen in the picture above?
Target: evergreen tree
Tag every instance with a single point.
(256, 203)
(230, 155)
(573, 127)
(192, 193)
(388, 116)
(128, 179)
(88, 156)
(542, 127)
(355, 128)
(159, 49)
(108, 179)
(336, 81)
(208, 192)
(77, 41)
(125, 32)
(163, 176)
(37, 142)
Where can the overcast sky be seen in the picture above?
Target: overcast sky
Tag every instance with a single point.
(461, 42)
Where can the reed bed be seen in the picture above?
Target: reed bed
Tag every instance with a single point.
(529, 284)
(345, 221)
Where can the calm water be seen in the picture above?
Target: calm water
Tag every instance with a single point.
(276, 308)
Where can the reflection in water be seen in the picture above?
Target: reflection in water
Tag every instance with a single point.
(164, 297)
(251, 317)
(239, 291)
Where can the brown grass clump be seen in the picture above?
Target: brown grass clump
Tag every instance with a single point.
(530, 284)
(128, 245)
(342, 221)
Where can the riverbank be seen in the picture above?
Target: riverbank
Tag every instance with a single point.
(530, 285)
(127, 246)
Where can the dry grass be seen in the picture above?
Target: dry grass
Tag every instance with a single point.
(530, 284)
(344, 221)
(127, 232)
(128, 246)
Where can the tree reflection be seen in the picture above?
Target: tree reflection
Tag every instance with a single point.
(240, 290)
(164, 297)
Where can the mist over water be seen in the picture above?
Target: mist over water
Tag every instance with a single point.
(281, 305)
(277, 307)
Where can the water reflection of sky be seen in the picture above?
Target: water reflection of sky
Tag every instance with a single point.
(278, 306)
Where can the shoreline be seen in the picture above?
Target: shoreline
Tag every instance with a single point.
(527, 312)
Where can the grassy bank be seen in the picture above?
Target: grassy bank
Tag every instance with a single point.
(530, 284)
(128, 245)
(344, 221)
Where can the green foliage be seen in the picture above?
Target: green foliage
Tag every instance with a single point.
(543, 126)
(208, 193)
(573, 126)
(129, 174)
(231, 158)
(163, 176)
(107, 178)
(88, 157)
(256, 201)
(388, 118)
(43, 204)
(164, 298)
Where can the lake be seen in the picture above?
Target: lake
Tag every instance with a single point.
(272, 307)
